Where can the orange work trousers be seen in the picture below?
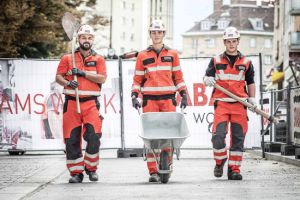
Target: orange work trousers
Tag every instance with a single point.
(88, 125)
(235, 114)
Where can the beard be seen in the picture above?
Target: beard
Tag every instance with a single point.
(85, 46)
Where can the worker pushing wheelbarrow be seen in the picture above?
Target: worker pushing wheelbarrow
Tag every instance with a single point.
(157, 78)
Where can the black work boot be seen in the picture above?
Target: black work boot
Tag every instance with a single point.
(234, 175)
(218, 170)
(93, 176)
(76, 178)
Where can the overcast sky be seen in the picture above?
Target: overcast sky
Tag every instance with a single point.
(186, 13)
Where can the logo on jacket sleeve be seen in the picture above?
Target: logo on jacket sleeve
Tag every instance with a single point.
(91, 64)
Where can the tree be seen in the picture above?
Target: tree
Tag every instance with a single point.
(32, 28)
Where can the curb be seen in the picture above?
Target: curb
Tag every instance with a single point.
(277, 157)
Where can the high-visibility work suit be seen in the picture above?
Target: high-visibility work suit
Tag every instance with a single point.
(88, 123)
(233, 77)
(157, 78)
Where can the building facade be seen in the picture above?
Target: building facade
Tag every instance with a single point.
(287, 39)
(253, 19)
(130, 19)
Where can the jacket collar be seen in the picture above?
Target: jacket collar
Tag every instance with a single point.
(92, 52)
(239, 54)
(150, 48)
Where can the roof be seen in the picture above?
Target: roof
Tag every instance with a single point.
(240, 16)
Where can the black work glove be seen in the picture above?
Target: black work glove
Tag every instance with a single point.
(75, 71)
(73, 84)
(184, 102)
(135, 102)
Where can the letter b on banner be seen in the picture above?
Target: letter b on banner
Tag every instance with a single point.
(200, 98)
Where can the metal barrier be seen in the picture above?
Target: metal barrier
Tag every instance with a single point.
(26, 82)
(284, 136)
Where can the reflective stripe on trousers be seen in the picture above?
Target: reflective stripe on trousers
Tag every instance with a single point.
(151, 160)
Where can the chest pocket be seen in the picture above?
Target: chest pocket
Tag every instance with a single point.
(167, 59)
(148, 61)
(221, 66)
(90, 64)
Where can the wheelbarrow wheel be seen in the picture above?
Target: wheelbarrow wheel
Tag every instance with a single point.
(164, 165)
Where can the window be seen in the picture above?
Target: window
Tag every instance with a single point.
(123, 36)
(222, 24)
(268, 43)
(124, 4)
(132, 7)
(122, 50)
(226, 2)
(205, 25)
(252, 42)
(267, 59)
(123, 20)
(160, 8)
(131, 37)
(194, 43)
(210, 43)
(259, 25)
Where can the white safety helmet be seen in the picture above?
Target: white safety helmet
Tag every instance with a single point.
(157, 25)
(231, 33)
(86, 29)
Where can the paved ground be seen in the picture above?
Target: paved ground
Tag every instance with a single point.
(38, 177)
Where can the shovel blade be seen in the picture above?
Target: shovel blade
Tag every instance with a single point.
(70, 24)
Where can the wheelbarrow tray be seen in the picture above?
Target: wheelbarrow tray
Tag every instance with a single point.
(163, 129)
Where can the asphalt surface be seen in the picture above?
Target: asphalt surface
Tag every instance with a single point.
(37, 177)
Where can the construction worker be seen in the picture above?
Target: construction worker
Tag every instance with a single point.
(157, 78)
(234, 72)
(91, 72)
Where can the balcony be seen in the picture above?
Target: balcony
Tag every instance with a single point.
(295, 7)
(295, 41)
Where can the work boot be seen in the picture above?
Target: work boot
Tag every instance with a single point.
(234, 175)
(93, 176)
(154, 178)
(218, 170)
(76, 178)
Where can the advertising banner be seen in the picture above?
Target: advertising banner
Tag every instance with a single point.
(295, 116)
(31, 106)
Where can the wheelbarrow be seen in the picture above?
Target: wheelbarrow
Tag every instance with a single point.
(163, 130)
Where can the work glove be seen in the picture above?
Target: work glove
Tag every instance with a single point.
(252, 101)
(75, 71)
(135, 102)
(73, 84)
(184, 102)
(209, 81)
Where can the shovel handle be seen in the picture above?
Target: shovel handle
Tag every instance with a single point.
(249, 105)
(75, 76)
